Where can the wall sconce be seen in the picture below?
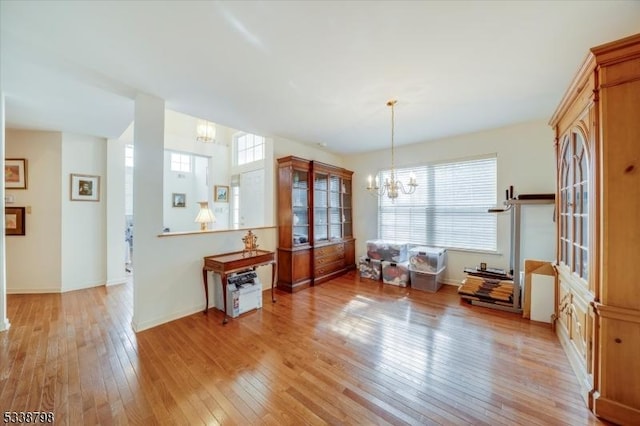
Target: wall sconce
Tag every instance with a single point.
(205, 131)
(205, 215)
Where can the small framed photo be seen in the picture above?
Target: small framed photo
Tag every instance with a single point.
(14, 221)
(178, 199)
(483, 266)
(15, 173)
(85, 187)
(221, 194)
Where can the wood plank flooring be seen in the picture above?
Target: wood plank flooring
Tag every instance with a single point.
(345, 352)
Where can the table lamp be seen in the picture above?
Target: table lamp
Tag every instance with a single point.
(205, 215)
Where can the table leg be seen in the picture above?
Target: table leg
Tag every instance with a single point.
(273, 281)
(205, 280)
(223, 278)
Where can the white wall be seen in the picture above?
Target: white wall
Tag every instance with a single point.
(115, 215)
(180, 135)
(181, 219)
(84, 228)
(33, 261)
(525, 160)
(285, 147)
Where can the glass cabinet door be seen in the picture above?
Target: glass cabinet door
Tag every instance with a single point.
(574, 202)
(335, 207)
(320, 207)
(347, 215)
(300, 201)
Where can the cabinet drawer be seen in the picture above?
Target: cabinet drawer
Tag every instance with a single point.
(328, 250)
(320, 261)
(329, 268)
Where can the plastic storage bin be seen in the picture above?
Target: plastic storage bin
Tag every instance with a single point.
(427, 259)
(391, 251)
(427, 281)
(396, 273)
(370, 268)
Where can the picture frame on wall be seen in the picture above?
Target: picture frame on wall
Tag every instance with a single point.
(84, 187)
(14, 221)
(179, 199)
(221, 194)
(15, 173)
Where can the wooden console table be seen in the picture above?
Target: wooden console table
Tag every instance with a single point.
(228, 263)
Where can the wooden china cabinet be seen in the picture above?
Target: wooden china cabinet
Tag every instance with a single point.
(597, 131)
(315, 223)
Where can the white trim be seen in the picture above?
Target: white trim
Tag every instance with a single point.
(55, 290)
(5, 325)
(138, 327)
(116, 281)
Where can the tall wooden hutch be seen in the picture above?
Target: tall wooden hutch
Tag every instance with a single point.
(597, 131)
(315, 223)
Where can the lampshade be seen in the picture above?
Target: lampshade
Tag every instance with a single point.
(205, 215)
(205, 131)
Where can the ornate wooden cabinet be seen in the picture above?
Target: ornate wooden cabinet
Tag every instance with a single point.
(597, 129)
(315, 223)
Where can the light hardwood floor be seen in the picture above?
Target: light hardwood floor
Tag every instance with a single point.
(345, 352)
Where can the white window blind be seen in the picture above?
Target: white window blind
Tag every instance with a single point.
(448, 209)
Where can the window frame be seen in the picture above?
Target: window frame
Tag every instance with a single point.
(254, 147)
(181, 162)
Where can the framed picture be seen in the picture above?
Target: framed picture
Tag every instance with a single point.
(15, 173)
(483, 266)
(221, 194)
(14, 221)
(85, 188)
(179, 199)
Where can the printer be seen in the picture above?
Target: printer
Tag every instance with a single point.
(244, 293)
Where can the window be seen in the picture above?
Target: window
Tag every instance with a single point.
(180, 162)
(128, 155)
(448, 209)
(235, 202)
(248, 148)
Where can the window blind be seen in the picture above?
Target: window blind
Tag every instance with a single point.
(448, 209)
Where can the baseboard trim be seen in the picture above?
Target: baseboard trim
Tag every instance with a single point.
(82, 286)
(5, 325)
(145, 325)
(33, 290)
(615, 411)
(116, 281)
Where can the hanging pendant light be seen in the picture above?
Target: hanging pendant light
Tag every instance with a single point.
(205, 131)
(392, 187)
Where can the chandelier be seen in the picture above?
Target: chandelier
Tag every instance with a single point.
(205, 131)
(392, 187)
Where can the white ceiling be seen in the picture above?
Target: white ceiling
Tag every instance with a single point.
(312, 71)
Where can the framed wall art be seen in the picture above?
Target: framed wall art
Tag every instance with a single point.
(14, 221)
(179, 199)
(15, 173)
(85, 187)
(221, 194)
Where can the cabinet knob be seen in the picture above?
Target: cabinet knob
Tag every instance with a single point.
(617, 340)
